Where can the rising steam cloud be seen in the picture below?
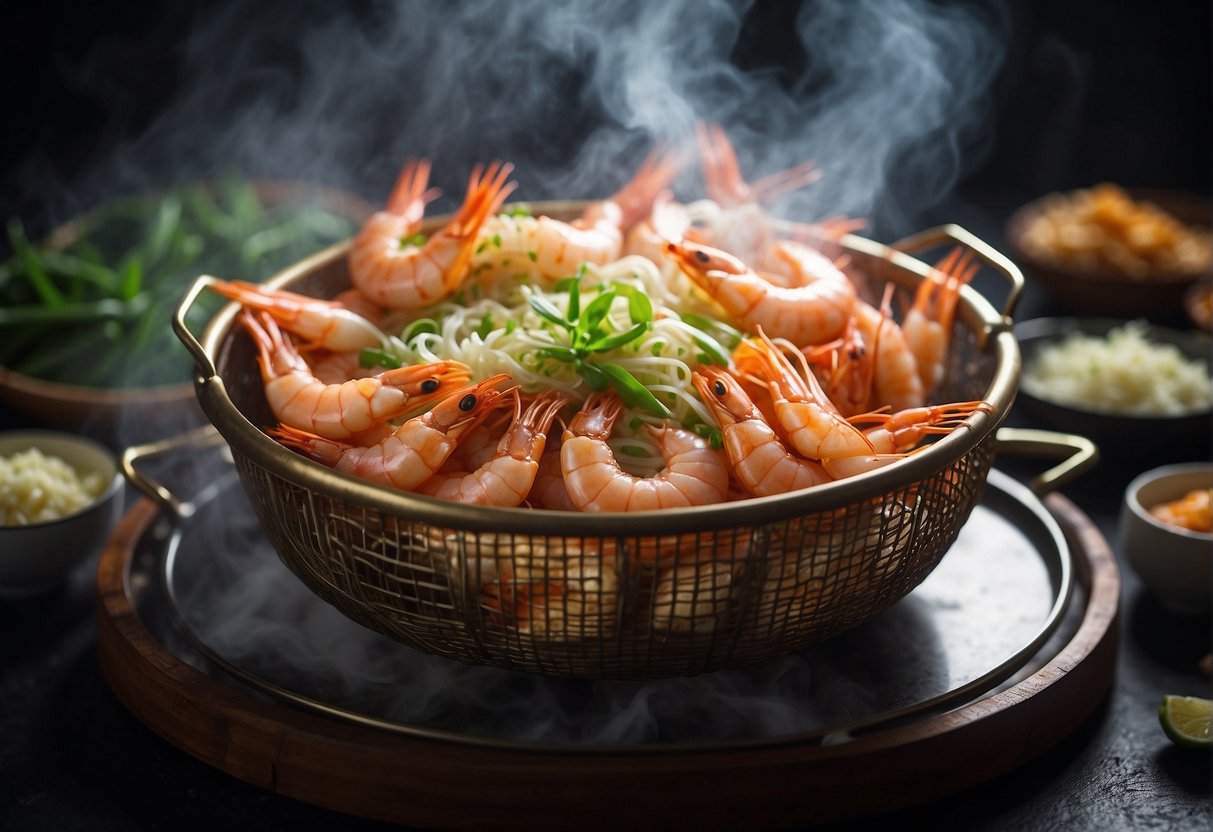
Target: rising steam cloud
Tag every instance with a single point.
(890, 99)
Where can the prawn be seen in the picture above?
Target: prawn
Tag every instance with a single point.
(928, 323)
(809, 421)
(506, 478)
(743, 226)
(870, 365)
(322, 324)
(809, 314)
(550, 248)
(413, 452)
(694, 473)
(394, 269)
(668, 220)
(358, 409)
(897, 434)
(760, 460)
(548, 490)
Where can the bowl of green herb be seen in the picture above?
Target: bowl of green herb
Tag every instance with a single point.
(86, 341)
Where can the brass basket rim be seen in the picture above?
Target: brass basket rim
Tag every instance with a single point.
(974, 311)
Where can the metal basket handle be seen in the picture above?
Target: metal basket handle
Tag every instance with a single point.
(1080, 454)
(204, 436)
(206, 367)
(952, 233)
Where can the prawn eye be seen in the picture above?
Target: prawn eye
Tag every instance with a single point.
(468, 402)
(702, 256)
(429, 385)
(718, 388)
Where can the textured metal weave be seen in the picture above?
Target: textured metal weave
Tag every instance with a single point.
(601, 597)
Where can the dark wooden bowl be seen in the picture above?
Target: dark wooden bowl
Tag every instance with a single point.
(137, 414)
(1159, 297)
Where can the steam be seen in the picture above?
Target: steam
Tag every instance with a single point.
(890, 99)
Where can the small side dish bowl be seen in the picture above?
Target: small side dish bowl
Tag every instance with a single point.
(1171, 437)
(1175, 563)
(1198, 303)
(131, 383)
(38, 556)
(1149, 288)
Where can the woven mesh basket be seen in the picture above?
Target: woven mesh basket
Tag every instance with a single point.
(642, 595)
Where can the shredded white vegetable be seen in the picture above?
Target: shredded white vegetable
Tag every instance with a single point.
(492, 327)
(1124, 373)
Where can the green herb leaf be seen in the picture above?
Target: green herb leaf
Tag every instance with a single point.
(544, 308)
(486, 326)
(633, 393)
(610, 342)
(565, 354)
(733, 337)
(419, 327)
(640, 307)
(132, 279)
(34, 269)
(575, 299)
(594, 376)
(371, 357)
(596, 310)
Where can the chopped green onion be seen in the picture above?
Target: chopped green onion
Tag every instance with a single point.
(421, 326)
(611, 342)
(544, 308)
(371, 357)
(594, 376)
(633, 393)
(33, 266)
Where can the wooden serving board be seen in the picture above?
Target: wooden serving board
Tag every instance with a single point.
(432, 783)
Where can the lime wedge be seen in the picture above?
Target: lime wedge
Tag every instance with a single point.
(1187, 720)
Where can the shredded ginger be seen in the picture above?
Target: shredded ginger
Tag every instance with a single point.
(1124, 373)
(36, 488)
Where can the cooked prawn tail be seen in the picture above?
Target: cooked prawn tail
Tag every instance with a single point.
(487, 192)
(722, 172)
(409, 196)
(770, 188)
(544, 410)
(276, 353)
(325, 451)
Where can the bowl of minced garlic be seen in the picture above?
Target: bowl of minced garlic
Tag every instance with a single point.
(60, 495)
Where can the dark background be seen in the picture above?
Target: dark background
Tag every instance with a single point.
(1088, 91)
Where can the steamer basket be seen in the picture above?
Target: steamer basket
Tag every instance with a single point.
(642, 595)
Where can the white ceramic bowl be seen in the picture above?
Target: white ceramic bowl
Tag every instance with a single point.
(1175, 563)
(37, 557)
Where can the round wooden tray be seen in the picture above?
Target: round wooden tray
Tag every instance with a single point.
(432, 783)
